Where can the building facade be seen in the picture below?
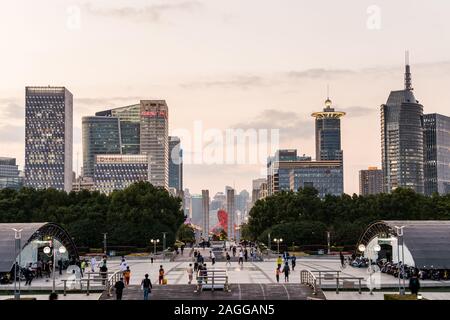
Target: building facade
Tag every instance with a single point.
(437, 154)
(370, 181)
(205, 215)
(196, 210)
(402, 139)
(48, 138)
(100, 135)
(231, 210)
(328, 133)
(9, 174)
(175, 164)
(117, 172)
(154, 139)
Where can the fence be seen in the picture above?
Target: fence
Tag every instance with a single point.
(308, 278)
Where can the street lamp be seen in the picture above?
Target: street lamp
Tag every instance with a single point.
(50, 251)
(375, 249)
(18, 252)
(278, 241)
(154, 244)
(400, 236)
(164, 245)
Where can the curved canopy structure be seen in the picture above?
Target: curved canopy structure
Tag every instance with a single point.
(29, 233)
(428, 242)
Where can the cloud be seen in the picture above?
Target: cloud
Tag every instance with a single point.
(11, 109)
(240, 81)
(319, 73)
(291, 125)
(12, 134)
(149, 13)
(356, 112)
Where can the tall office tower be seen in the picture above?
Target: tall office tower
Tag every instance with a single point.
(219, 201)
(328, 133)
(155, 139)
(130, 125)
(9, 174)
(437, 154)
(196, 209)
(231, 210)
(370, 181)
(101, 135)
(241, 201)
(175, 164)
(256, 189)
(205, 215)
(187, 203)
(48, 138)
(117, 171)
(402, 139)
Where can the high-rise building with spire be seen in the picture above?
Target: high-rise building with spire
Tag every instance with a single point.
(328, 133)
(402, 138)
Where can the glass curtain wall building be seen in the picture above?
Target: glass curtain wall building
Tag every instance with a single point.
(48, 138)
(10, 174)
(437, 154)
(175, 164)
(402, 139)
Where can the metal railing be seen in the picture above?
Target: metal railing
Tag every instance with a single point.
(92, 278)
(112, 281)
(331, 275)
(215, 279)
(309, 279)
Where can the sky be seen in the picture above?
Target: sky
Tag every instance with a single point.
(250, 64)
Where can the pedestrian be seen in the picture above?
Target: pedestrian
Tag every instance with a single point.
(104, 272)
(127, 276)
(341, 256)
(414, 284)
(93, 264)
(123, 265)
(228, 260)
(213, 258)
(277, 274)
(279, 262)
(182, 249)
(286, 272)
(234, 251)
(246, 255)
(161, 275)
(39, 269)
(151, 259)
(29, 275)
(53, 296)
(83, 266)
(293, 262)
(190, 273)
(119, 286)
(241, 257)
(146, 286)
(60, 266)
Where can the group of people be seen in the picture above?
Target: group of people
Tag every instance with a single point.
(284, 268)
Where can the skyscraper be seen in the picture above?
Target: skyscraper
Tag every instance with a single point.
(9, 174)
(437, 153)
(154, 139)
(48, 138)
(196, 209)
(175, 164)
(370, 181)
(205, 215)
(402, 139)
(328, 133)
(101, 135)
(231, 210)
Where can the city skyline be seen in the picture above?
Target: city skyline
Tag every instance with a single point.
(287, 84)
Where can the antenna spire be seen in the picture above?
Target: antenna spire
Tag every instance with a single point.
(408, 78)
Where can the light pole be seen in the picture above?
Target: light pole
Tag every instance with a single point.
(18, 252)
(104, 243)
(400, 236)
(375, 249)
(268, 243)
(164, 245)
(154, 244)
(278, 241)
(52, 252)
(328, 241)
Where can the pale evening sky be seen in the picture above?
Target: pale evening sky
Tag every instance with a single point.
(237, 63)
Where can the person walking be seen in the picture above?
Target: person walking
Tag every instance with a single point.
(228, 260)
(414, 284)
(123, 265)
(341, 256)
(213, 258)
(293, 262)
(286, 272)
(279, 262)
(277, 274)
(104, 272)
(119, 286)
(93, 264)
(190, 273)
(127, 276)
(241, 258)
(29, 275)
(146, 286)
(246, 254)
(83, 266)
(39, 269)
(161, 275)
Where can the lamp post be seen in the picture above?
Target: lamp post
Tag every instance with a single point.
(104, 243)
(52, 252)
(328, 242)
(400, 236)
(375, 249)
(154, 244)
(278, 241)
(18, 252)
(164, 245)
(268, 243)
